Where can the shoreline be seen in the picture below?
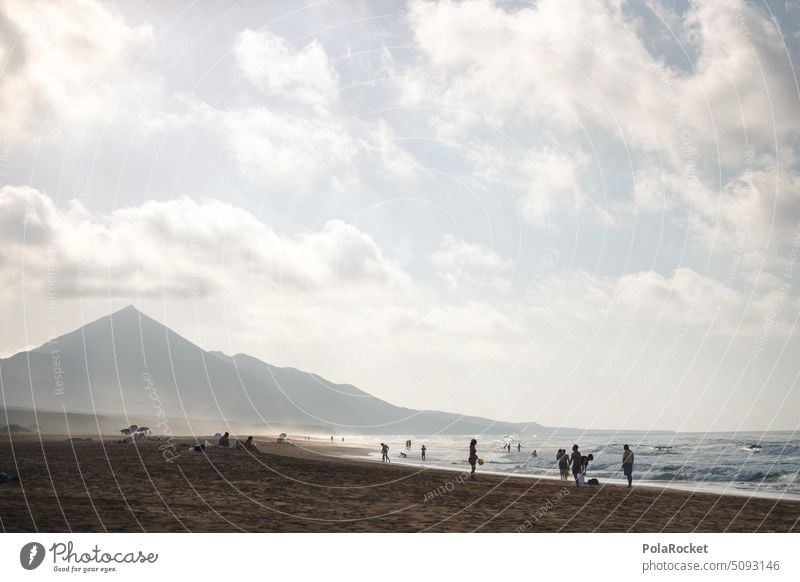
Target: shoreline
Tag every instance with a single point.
(361, 453)
(684, 486)
(316, 486)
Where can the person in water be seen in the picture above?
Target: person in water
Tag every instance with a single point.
(627, 464)
(575, 461)
(423, 452)
(519, 447)
(473, 456)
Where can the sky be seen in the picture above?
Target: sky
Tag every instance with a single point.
(581, 214)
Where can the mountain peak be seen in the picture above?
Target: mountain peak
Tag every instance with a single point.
(128, 309)
(129, 313)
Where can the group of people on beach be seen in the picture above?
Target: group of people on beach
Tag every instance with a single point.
(223, 441)
(385, 452)
(578, 462)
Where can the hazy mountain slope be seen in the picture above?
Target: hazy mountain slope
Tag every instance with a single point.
(129, 364)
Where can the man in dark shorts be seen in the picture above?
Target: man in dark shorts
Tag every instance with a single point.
(627, 464)
(576, 461)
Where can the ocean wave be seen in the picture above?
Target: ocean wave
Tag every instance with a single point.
(669, 476)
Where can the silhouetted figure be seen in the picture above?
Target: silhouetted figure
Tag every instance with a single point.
(627, 464)
(224, 440)
(385, 453)
(519, 447)
(575, 460)
(473, 456)
(534, 453)
(249, 444)
(331, 438)
(563, 464)
(423, 452)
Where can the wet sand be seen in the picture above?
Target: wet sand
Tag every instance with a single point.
(312, 486)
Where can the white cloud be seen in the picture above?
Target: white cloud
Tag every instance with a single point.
(552, 180)
(284, 148)
(499, 64)
(181, 248)
(298, 150)
(472, 265)
(71, 66)
(586, 68)
(295, 74)
(396, 160)
(584, 64)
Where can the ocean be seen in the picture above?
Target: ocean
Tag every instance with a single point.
(754, 463)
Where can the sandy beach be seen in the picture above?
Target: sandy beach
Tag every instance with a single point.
(315, 486)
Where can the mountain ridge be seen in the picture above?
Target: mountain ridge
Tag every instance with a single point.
(131, 364)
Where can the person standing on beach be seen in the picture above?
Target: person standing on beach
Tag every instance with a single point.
(575, 459)
(563, 464)
(423, 452)
(519, 447)
(473, 456)
(385, 453)
(627, 464)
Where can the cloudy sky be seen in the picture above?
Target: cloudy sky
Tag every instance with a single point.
(576, 213)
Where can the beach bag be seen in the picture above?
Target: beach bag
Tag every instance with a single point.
(594, 482)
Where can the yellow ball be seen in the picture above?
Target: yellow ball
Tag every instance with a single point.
(480, 461)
